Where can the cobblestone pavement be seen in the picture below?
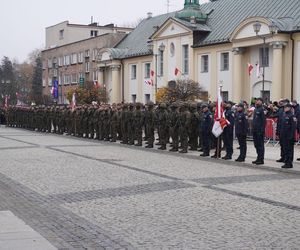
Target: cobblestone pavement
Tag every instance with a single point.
(85, 194)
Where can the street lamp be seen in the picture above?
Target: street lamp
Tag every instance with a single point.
(273, 29)
(161, 49)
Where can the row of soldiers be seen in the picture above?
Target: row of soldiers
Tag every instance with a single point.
(186, 124)
(129, 123)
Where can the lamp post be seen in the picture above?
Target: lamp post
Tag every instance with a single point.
(272, 28)
(161, 49)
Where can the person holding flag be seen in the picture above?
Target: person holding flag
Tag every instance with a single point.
(220, 123)
(228, 130)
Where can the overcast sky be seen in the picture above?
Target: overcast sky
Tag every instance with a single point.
(23, 22)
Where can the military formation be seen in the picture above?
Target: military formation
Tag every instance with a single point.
(183, 125)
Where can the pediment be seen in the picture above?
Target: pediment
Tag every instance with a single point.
(171, 28)
(245, 29)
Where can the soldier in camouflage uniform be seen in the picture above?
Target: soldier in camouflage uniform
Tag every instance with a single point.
(173, 125)
(150, 120)
(138, 124)
(124, 124)
(193, 135)
(185, 127)
(114, 123)
(162, 116)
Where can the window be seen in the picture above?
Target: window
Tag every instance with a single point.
(50, 63)
(147, 98)
(225, 61)
(87, 67)
(87, 53)
(49, 81)
(95, 75)
(185, 53)
(67, 80)
(80, 57)
(133, 98)
(61, 34)
(133, 72)
(74, 58)
(147, 70)
(161, 63)
(264, 57)
(66, 60)
(44, 82)
(94, 54)
(204, 64)
(94, 33)
(172, 49)
(60, 61)
(224, 96)
(74, 78)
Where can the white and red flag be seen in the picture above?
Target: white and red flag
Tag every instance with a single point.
(149, 82)
(250, 69)
(220, 121)
(73, 104)
(177, 71)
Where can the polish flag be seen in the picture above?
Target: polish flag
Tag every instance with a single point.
(177, 71)
(96, 84)
(149, 82)
(220, 121)
(152, 73)
(250, 69)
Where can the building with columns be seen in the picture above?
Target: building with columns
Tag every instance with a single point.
(213, 43)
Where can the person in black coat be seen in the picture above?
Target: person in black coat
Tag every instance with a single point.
(241, 130)
(287, 135)
(259, 125)
(228, 131)
(206, 127)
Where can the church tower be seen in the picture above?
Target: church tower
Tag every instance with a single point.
(192, 9)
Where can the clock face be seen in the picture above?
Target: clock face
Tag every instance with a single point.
(172, 49)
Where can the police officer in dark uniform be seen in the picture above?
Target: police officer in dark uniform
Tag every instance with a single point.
(228, 131)
(206, 127)
(280, 114)
(287, 133)
(259, 124)
(241, 129)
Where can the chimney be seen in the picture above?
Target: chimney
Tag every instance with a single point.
(149, 15)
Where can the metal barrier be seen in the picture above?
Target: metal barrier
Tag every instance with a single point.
(270, 132)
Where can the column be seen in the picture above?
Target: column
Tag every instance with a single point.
(101, 76)
(237, 86)
(116, 85)
(277, 71)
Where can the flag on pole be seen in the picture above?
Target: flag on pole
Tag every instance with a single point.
(73, 104)
(149, 82)
(250, 69)
(152, 73)
(96, 84)
(220, 121)
(177, 71)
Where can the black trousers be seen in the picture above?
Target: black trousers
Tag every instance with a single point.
(242, 139)
(228, 142)
(206, 142)
(288, 151)
(259, 144)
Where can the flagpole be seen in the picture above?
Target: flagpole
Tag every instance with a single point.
(219, 114)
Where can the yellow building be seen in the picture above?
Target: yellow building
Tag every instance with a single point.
(213, 43)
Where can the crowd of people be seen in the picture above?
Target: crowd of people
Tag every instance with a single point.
(183, 125)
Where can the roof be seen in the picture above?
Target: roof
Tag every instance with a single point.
(228, 14)
(223, 17)
(136, 41)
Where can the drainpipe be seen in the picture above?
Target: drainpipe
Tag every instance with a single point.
(293, 64)
(123, 91)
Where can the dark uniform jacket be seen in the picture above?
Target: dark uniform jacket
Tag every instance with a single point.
(259, 120)
(241, 124)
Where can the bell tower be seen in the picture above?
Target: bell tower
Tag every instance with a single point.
(192, 9)
(191, 3)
